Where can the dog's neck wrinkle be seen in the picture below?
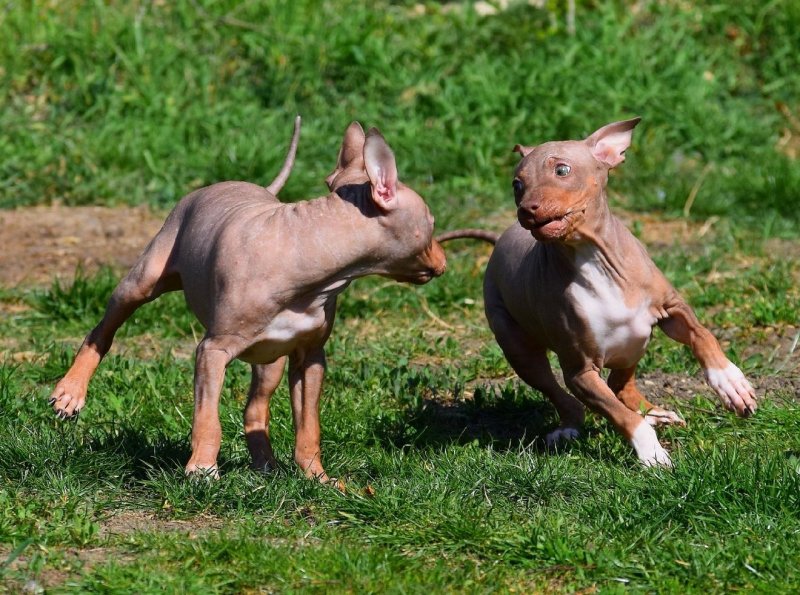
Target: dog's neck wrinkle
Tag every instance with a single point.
(345, 239)
(600, 232)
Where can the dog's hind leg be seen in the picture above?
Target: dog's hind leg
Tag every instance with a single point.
(623, 383)
(306, 372)
(212, 356)
(264, 381)
(150, 277)
(530, 363)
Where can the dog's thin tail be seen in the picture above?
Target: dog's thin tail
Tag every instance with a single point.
(283, 175)
(475, 234)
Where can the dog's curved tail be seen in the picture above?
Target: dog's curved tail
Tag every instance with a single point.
(288, 163)
(475, 234)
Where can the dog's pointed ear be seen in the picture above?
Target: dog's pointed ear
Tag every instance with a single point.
(381, 169)
(522, 150)
(608, 144)
(351, 152)
(352, 146)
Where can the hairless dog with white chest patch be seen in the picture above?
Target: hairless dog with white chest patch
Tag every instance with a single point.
(569, 277)
(262, 277)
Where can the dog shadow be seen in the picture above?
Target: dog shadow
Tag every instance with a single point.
(143, 453)
(505, 418)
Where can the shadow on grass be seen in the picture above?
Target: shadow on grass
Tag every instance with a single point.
(505, 418)
(142, 452)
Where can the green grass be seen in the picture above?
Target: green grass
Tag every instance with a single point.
(448, 482)
(449, 486)
(139, 102)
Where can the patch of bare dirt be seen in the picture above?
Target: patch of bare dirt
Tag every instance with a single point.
(127, 522)
(71, 563)
(46, 242)
(42, 243)
(66, 564)
(74, 561)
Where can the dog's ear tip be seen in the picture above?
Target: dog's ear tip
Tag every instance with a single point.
(631, 123)
(355, 125)
(522, 149)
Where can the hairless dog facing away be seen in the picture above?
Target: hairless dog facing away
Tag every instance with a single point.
(262, 277)
(569, 277)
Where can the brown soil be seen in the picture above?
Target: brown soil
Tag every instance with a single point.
(126, 522)
(47, 242)
(119, 525)
(42, 243)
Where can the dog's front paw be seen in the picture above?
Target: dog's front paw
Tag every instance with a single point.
(197, 471)
(68, 398)
(267, 467)
(648, 449)
(733, 389)
(561, 434)
(659, 458)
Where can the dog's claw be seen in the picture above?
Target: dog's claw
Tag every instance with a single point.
(733, 389)
(202, 472)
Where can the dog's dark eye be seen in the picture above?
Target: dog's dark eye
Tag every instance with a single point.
(518, 186)
(562, 169)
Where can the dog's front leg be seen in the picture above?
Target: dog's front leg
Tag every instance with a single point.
(722, 375)
(592, 390)
(306, 372)
(211, 360)
(623, 383)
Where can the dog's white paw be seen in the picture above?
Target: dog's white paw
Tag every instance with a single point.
(561, 434)
(733, 389)
(648, 449)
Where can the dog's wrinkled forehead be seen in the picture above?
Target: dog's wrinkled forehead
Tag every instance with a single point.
(572, 152)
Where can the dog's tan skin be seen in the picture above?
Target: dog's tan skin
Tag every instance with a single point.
(262, 277)
(569, 277)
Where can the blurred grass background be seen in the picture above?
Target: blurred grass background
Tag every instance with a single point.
(140, 102)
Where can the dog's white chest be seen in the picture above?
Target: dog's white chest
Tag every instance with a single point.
(620, 330)
(305, 322)
(304, 317)
(293, 324)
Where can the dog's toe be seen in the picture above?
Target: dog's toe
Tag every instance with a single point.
(661, 417)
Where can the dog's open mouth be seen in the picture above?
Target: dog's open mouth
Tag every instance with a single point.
(551, 228)
(533, 225)
(541, 224)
